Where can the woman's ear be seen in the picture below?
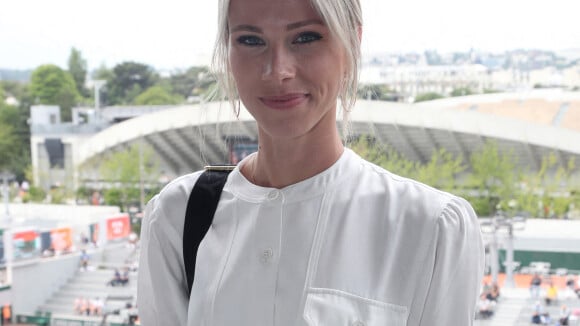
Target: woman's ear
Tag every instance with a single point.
(359, 29)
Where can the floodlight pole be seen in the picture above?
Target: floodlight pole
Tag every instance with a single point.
(98, 84)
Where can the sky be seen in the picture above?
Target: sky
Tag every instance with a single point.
(175, 34)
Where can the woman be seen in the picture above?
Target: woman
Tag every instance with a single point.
(306, 232)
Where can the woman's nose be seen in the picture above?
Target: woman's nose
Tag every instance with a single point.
(279, 66)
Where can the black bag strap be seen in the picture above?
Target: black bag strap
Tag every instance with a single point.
(201, 207)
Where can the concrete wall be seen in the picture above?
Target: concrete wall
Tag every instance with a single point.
(34, 282)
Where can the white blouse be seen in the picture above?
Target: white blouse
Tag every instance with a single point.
(353, 245)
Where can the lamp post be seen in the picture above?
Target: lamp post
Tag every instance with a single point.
(7, 234)
(98, 84)
(493, 227)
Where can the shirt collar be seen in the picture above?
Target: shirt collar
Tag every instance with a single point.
(242, 188)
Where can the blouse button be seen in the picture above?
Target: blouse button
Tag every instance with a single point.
(267, 254)
(273, 194)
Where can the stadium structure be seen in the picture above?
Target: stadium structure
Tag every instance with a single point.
(528, 124)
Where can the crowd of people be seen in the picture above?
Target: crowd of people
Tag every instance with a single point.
(552, 296)
(89, 307)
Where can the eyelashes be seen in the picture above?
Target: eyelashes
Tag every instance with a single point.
(250, 40)
(307, 37)
(255, 41)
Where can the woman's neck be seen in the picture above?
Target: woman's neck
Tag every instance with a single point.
(283, 162)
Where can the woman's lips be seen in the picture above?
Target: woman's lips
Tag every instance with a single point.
(284, 102)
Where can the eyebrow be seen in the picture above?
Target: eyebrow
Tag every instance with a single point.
(255, 29)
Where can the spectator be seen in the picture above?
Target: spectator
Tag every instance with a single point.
(97, 306)
(84, 260)
(564, 316)
(125, 277)
(116, 280)
(493, 294)
(551, 293)
(535, 286)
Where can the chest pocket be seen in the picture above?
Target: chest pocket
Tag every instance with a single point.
(337, 308)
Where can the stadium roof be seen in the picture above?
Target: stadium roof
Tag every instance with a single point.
(530, 125)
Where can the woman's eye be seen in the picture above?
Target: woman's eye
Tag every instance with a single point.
(307, 37)
(249, 40)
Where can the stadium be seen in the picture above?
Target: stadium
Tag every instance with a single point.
(529, 124)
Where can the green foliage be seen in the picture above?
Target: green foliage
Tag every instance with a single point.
(427, 97)
(376, 92)
(53, 86)
(77, 67)
(14, 141)
(36, 194)
(462, 91)
(128, 81)
(493, 175)
(194, 81)
(157, 95)
(125, 170)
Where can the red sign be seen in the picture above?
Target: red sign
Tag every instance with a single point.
(26, 236)
(118, 227)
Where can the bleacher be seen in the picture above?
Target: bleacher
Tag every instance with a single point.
(92, 283)
(515, 307)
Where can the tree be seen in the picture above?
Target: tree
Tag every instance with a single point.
(77, 67)
(157, 95)
(128, 81)
(461, 91)
(194, 81)
(125, 170)
(51, 85)
(14, 141)
(427, 97)
(493, 176)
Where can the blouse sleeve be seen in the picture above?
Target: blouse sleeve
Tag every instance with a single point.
(161, 292)
(458, 268)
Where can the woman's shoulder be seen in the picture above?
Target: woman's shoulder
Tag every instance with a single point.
(413, 196)
(172, 199)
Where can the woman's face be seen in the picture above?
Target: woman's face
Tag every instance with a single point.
(287, 65)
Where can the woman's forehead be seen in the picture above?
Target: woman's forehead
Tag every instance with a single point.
(270, 11)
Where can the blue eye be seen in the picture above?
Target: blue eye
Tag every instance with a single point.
(249, 40)
(307, 37)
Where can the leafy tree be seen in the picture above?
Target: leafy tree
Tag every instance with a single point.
(194, 81)
(51, 85)
(157, 95)
(124, 169)
(462, 91)
(427, 97)
(493, 176)
(77, 67)
(14, 141)
(128, 81)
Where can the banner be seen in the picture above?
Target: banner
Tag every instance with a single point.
(61, 239)
(118, 227)
(26, 244)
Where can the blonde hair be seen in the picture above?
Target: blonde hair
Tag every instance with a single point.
(343, 18)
